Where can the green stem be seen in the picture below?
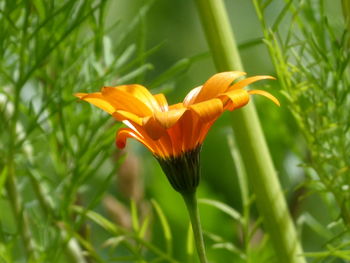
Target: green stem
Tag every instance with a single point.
(72, 248)
(192, 208)
(346, 12)
(16, 203)
(243, 185)
(21, 218)
(250, 139)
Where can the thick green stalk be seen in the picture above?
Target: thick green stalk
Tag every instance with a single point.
(192, 208)
(250, 139)
(346, 12)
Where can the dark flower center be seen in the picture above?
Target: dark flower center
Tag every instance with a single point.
(183, 171)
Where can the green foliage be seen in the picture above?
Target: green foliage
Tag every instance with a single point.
(54, 149)
(58, 163)
(310, 51)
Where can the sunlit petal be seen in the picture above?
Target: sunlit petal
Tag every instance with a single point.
(80, 95)
(245, 82)
(122, 100)
(125, 133)
(189, 126)
(234, 99)
(208, 110)
(97, 100)
(176, 106)
(168, 118)
(121, 115)
(141, 93)
(131, 125)
(191, 96)
(162, 102)
(165, 145)
(219, 83)
(266, 94)
(156, 145)
(153, 128)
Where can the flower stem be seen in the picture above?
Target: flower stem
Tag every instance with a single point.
(192, 208)
(250, 139)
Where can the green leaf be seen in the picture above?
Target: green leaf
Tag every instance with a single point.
(281, 15)
(144, 227)
(165, 226)
(114, 241)
(134, 216)
(98, 219)
(135, 73)
(223, 208)
(40, 7)
(3, 176)
(307, 219)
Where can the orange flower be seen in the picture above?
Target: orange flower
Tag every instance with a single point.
(170, 130)
(173, 131)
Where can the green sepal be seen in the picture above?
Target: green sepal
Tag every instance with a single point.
(183, 171)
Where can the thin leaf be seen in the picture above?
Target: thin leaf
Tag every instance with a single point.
(144, 227)
(223, 208)
(3, 176)
(281, 15)
(165, 226)
(134, 216)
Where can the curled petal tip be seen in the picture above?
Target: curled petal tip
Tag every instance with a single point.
(268, 77)
(276, 101)
(245, 82)
(120, 144)
(265, 94)
(80, 95)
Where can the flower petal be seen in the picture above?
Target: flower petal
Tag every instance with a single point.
(122, 100)
(245, 82)
(165, 146)
(162, 102)
(208, 110)
(158, 147)
(141, 93)
(234, 99)
(125, 133)
(153, 128)
(219, 83)
(121, 115)
(168, 118)
(176, 106)
(189, 128)
(266, 94)
(80, 95)
(191, 96)
(98, 100)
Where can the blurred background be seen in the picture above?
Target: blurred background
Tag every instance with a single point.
(67, 193)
